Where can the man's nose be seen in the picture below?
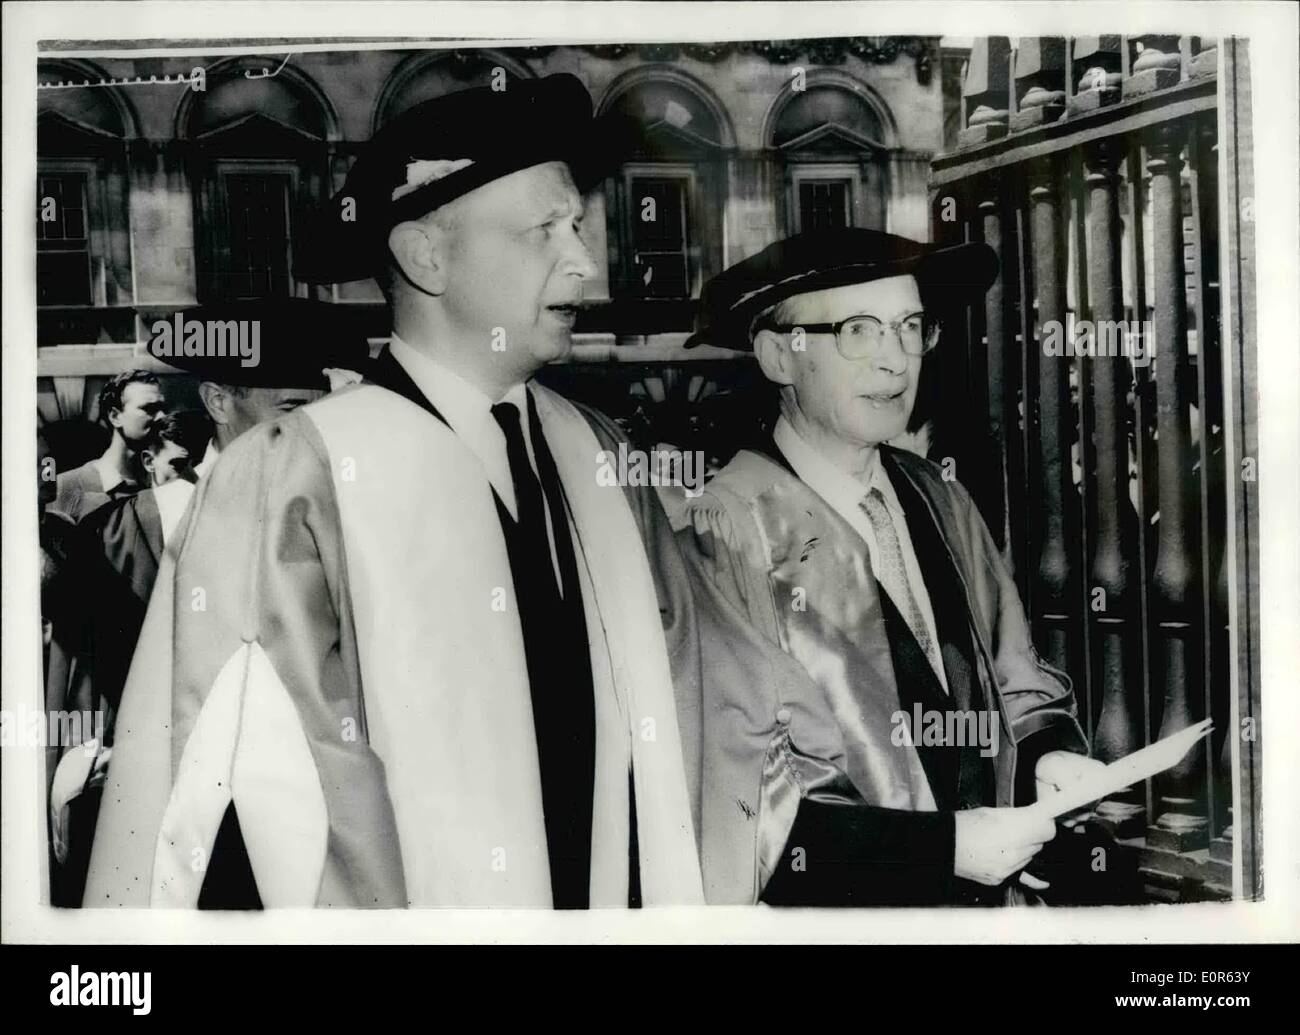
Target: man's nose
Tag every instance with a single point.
(889, 355)
(578, 258)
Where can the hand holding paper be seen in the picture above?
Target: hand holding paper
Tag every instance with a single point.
(1156, 758)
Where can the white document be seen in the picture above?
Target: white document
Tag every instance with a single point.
(1156, 758)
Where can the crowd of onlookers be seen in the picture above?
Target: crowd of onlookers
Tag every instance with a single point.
(95, 538)
(109, 507)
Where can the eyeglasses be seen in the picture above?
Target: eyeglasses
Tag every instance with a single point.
(860, 336)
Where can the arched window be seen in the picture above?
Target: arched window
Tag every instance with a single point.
(665, 207)
(833, 138)
(259, 162)
(83, 255)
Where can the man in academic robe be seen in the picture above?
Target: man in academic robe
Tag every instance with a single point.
(875, 712)
(129, 404)
(123, 541)
(410, 643)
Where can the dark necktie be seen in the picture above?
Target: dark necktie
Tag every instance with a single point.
(530, 503)
(556, 651)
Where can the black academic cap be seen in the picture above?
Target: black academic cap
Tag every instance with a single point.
(297, 338)
(448, 146)
(822, 259)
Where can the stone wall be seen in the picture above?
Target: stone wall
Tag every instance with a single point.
(148, 142)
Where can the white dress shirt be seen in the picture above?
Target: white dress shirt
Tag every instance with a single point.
(844, 495)
(109, 476)
(469, 412)
(209, 458)
(174, 497)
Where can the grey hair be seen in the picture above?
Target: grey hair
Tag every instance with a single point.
(783, 313)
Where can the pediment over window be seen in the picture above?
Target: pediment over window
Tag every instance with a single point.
(257, 135)
(71, 119)
(289, 99)
(59, 134)
(830, 139)
(662, 139)
(829, 118)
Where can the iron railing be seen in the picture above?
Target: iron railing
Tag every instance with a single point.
(1091, 166)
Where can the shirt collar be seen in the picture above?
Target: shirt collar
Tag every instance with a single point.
(110, 478)
(209, 458)
(459, 402)
(838, 488)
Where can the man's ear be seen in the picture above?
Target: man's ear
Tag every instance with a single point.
(774, 358)
(146, 460)
(419, 248)
(216, 400)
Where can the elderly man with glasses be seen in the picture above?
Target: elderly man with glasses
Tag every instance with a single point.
(875, 713)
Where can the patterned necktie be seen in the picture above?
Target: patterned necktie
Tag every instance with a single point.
(893, 575)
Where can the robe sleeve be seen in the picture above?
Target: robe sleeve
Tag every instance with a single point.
(245, 693)
(782, 825)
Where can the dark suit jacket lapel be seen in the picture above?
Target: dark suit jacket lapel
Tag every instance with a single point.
(954, 625)
(943, 586)
(386, 372)
(146, 512)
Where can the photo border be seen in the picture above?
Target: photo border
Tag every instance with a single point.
(1272, 32)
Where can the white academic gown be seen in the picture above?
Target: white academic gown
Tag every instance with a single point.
(328, 649)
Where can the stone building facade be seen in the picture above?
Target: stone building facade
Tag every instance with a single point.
(165, 181)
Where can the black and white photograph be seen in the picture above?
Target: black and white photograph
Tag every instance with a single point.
(644, 472)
